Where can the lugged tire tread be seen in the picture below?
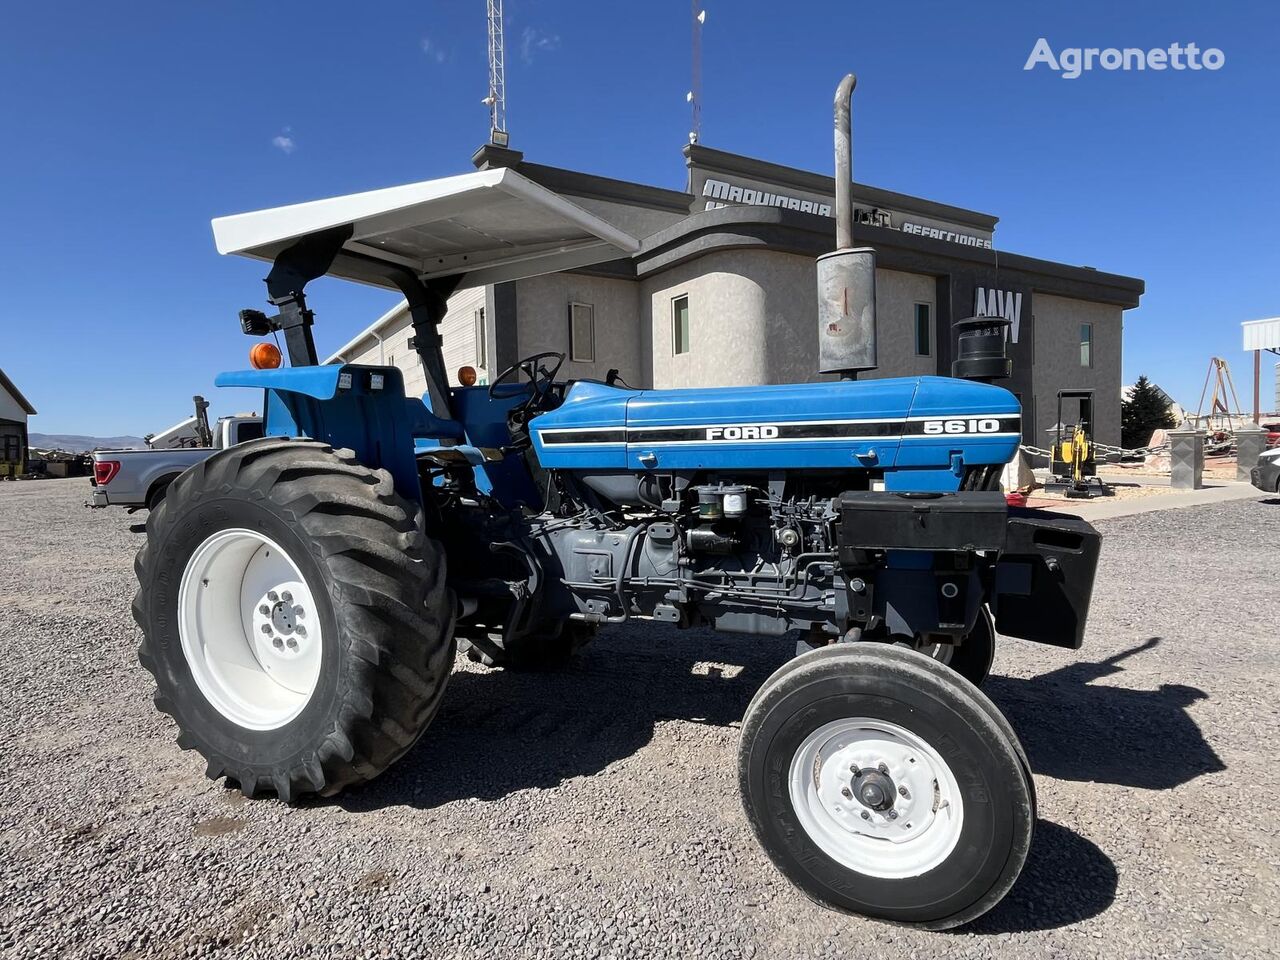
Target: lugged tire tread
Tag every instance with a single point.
(371, 542)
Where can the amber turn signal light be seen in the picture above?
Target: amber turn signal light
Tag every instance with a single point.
(467, 376)
(264, 356)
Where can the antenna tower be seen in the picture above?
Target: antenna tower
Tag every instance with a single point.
(497, 98)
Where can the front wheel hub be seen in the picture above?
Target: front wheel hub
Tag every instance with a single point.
(876, 797)
(875, 789)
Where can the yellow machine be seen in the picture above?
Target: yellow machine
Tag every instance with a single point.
(1072, 461)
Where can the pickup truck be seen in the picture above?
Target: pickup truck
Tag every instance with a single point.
(139, 479)
(1266, 475)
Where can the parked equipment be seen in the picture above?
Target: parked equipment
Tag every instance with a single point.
(1072, 461)
(140, 479)
(301, 595)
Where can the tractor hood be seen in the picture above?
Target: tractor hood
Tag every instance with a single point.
(926, 423)
(489, 226)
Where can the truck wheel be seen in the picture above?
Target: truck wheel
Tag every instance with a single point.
(294, 616)
(158, 491)
(971, 659)
(880, 783)
(547, 649)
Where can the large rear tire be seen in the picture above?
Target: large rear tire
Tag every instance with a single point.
(294, 616)
(973, 656)
(881, 783)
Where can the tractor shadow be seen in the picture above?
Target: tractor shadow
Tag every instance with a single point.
(1066, 879)
(500, 732)
(1076, 729)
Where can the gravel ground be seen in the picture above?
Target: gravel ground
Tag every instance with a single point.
(594, 812)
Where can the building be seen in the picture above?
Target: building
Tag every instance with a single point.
(723, 291)
(14, 411)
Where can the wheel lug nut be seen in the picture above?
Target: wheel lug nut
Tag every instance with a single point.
(299, 612)
(293, 644)
(301, 631)
(883, 768)
(892, 815)
(903, 792)
(853, 768)
(277, 643)
(847, 793)
(287, 597)
(264, 610)
(865, 815)
(272, 596)
(266, 628)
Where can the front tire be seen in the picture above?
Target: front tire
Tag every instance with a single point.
(294, 616)
(880, 783)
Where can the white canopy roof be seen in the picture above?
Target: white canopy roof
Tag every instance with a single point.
(490, 226)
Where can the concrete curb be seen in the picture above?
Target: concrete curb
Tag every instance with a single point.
(1217, 492)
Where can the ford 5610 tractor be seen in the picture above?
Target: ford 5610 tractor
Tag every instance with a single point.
(303, 595)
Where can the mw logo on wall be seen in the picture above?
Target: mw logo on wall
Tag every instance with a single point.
(989, 302)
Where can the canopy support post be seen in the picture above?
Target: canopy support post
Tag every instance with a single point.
(428, 302)
(292, 269)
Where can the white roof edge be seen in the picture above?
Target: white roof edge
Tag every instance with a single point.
(243, 232)
(368, 331)
(240, 232)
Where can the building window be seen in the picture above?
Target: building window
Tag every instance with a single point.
(391, 360)
(1086, 344)
(680, 325)
(582, 332)
(480, 342)
(924, 330)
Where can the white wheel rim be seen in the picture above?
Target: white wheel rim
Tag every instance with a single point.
(250, 629)
(910, 837)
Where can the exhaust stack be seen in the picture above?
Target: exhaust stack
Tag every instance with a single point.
(846, 277)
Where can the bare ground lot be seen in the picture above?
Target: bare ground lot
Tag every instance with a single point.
(594, 812)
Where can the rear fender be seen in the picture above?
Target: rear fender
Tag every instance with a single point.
(359, 407)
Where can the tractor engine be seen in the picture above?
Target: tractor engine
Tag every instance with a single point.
(723, 552)
(824, 556)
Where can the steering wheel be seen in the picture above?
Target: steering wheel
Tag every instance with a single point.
(504, 386)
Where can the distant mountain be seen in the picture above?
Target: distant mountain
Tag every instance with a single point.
(76, 443)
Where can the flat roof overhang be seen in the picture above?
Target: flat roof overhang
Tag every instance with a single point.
(485, 227)
(788, 231)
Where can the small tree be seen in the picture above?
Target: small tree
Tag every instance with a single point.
(1144, 412)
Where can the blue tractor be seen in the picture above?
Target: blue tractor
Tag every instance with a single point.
(302, 596)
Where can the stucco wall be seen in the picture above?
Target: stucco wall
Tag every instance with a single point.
(897, 294)
(1057, 362)
(753, 319)
(542, 312)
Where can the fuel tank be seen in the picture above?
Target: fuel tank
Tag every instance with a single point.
(907, 423)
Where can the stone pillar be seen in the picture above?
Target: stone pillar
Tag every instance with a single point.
(1186, 458)
(1251, 440)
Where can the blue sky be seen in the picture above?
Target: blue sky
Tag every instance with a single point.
(125, 127)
